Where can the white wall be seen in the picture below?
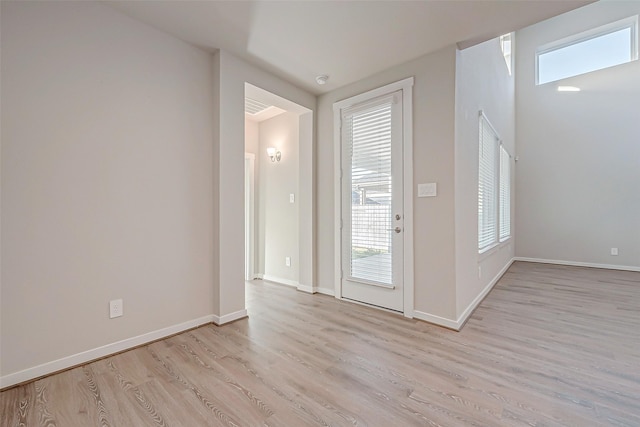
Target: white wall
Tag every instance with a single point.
(579, 166)
(279, 219)
(107, 180)
(433, 148)
(482, 83)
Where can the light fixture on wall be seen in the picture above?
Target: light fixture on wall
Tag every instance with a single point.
(274, 154)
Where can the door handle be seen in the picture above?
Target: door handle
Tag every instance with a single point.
(397, 229)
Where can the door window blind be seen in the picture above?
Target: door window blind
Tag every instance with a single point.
(368, 134)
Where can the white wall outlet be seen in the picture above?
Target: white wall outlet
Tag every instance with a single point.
(287, 261)
(614, 251)
(292, 198)
(116, 308)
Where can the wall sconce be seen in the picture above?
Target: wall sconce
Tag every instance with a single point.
(274, 154)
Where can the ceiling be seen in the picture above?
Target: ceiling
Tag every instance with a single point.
(257, 111)
(346, 40)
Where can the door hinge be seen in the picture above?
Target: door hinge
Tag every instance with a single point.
(340, 223)
(341, 274)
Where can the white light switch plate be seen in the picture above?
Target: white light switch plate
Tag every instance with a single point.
(292, 198)
(427, 190)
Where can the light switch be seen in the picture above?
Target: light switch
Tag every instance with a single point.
(292, 198)
(427, 190)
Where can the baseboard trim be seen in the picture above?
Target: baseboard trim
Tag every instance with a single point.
(302, 288)
(462, 319)
(578, 264)
(436, 320)
(280, 280)
(306, 288)
(457, 324)
(324, 291)
(228, 318)
(84, 357)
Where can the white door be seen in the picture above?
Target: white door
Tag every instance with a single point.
(372, 202)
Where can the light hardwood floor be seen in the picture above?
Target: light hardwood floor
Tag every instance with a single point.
(550, 346)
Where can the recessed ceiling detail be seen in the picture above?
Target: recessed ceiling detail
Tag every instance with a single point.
(251, 106)
(258, 111)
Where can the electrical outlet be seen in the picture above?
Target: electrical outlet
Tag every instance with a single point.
(116, 308)
(287, 261)
(292, 198)
(614, 251)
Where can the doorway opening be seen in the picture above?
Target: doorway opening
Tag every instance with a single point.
(278, 190)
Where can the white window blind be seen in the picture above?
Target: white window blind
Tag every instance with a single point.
(368, 134)
(487, 185)
(505, 194)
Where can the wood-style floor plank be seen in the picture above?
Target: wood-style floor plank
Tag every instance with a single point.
(550, 346)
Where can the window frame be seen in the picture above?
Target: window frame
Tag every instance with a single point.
(493, 175)
(502, 203)
(497, 174)
(506, 47)
(594, 33)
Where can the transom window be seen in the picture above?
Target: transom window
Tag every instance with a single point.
(603, 47)
(505, 46)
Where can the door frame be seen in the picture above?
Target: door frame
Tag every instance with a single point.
(249, 217)
(406, 87)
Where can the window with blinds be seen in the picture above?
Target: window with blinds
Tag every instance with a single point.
(368, 134)
(494, 188)
(505, 194)
(487, 185)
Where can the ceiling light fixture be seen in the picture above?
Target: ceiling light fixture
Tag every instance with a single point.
(568, 89)
(322, 79)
